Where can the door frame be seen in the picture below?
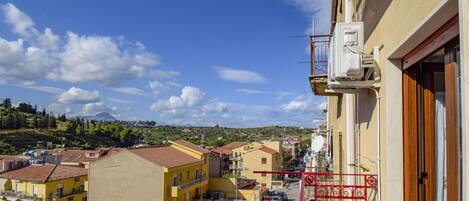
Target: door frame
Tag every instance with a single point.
(413, 92)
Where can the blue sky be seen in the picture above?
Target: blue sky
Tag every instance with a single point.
(174, 62)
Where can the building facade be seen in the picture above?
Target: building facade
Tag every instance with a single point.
(411, 128)
(165, 173)
(44, 182)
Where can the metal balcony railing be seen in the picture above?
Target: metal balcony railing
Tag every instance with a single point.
(319, 47)
(59, 195)
(236, 167)
(235, 158)
(13, 195)
(334, 186)
(193, 182)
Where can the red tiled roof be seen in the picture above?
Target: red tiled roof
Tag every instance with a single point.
(165, 156)
(44, 173)
(192, 146)
(10, 158)
(72, 156)
(220, 150)
(268, 150)
(235, 145)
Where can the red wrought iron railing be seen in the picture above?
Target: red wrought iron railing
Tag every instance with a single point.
(331, 186)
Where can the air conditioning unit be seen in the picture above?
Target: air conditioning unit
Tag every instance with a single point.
(348, 66)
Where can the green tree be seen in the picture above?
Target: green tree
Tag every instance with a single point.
(6, 103)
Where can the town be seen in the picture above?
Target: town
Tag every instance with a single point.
(287, 100)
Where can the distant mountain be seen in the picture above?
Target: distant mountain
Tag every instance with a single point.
(103, 116)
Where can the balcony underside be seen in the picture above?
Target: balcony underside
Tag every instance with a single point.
(319, 85)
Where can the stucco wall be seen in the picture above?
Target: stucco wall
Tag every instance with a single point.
(397, 31)
(125, 176)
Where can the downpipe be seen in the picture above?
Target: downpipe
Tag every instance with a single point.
(378, 143)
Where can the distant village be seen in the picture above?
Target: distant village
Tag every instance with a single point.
(178, 170)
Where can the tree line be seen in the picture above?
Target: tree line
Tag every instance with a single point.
(25, 115)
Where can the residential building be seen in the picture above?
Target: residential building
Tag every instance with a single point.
(8, 162)
(44, 182)
(219, 162)
(410, 126)
(292, 147)
(174, 172)
(247, 157)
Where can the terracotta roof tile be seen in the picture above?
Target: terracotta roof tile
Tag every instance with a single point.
(220, 150)
(165, 156)
(235, 145)
(44, 173)
(268, 150)
(192, 146)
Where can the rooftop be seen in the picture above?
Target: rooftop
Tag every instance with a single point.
(235, 145)
(192, 146)
(44, 173)
(165, 156)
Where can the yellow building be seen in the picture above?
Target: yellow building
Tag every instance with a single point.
(411, 128)
(44, 182)
(167, 173)
(248, 157)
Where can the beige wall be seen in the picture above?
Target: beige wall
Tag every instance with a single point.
(464, 41)
(404, 24)
(125, 176)
(253, 162)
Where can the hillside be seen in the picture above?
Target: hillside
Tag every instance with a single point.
(23, 128)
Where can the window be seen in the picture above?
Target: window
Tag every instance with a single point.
(263, 174)
(84, 199)
(175, 180)
(35, 190)
(197, 173)
(77, 179)
(188, 174)
(60, 189)
(263, 185)
(70, 199)
(180, 177)
(264, 160)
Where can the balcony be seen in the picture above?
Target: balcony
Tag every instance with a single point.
(319, 63)
(60, 195)
(236, 167)
(235, 158)
(13, 196)
(176, 189)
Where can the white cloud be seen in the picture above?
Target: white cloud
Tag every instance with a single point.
(165, 74)
(73, 58)
(303, 103)
(101, 59)
(98, 107)
(251, 91)
(191, 103)
(20, 22)
(57, 108)
(319, 10)
(79, 96)
(34, 86)
(158, 87)
(238, 75)
(130, 91)
(284, 94)
(118, 100)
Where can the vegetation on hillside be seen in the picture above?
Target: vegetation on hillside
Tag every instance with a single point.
(24, 127)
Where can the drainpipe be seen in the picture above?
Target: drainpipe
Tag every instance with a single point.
(378, 142)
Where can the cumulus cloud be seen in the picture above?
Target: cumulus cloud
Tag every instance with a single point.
(79, 96)
(98, 107)
(303, 103)
(238, 75)
(101, 59)
(192, 103)
(158, 87)
(73, 58)
(284, 94)
(130, 91)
